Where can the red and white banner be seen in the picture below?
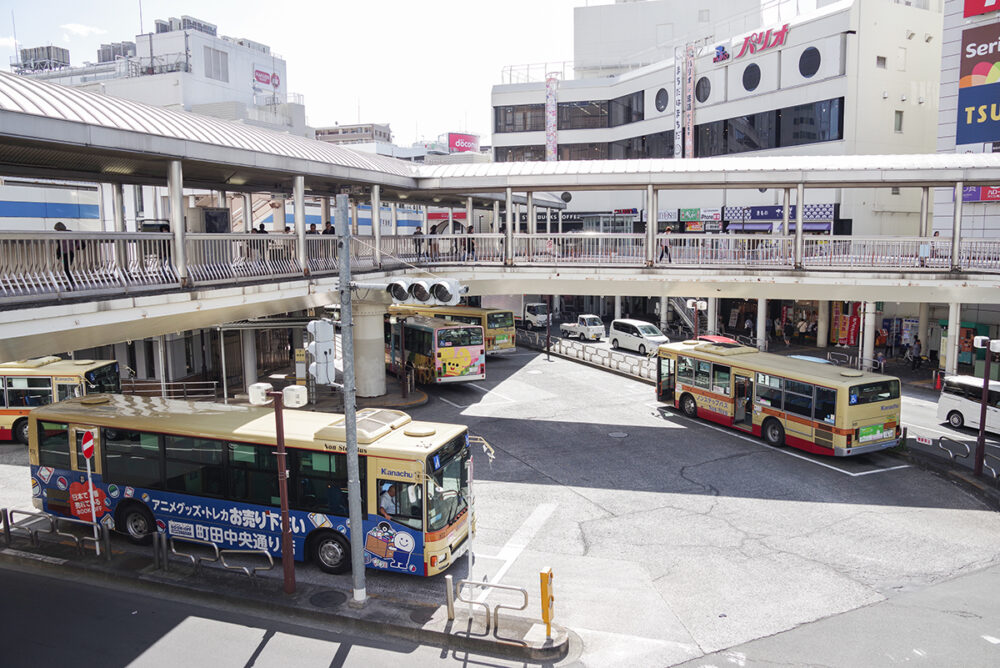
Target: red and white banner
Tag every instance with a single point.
(460, 143)
(977, 7)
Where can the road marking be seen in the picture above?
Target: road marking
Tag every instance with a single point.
(795, 454)
(452, 403)
(516, 544)
(491, 391)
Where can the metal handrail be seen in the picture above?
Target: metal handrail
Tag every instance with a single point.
(196, 389)
(953, 455)
(992, 469)
(496, 608)
(250, 572)
(196, 560)
(24, 525)
(102, 540)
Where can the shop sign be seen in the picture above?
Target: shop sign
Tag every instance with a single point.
(667, 215)
(460, 143)
(756, 42)
(712, 225)
(977, 7)
(979, 86)
(981, 194)
(721, 55)
(714, 213)
(694, 226)
(625, 212)
(690, 215)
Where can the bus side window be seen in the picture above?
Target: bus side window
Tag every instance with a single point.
(685, 370)
(53, 445)
(29, 391)
(321, 482)
(3, 393)
(253, 474)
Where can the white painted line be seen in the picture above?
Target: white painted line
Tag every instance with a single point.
(491, 391)
(513, 548)
(452, 403)
(891, 468)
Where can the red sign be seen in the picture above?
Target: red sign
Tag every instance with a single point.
(762, 41)
(79, 501)
(262, 77)
(977, 7)
(443, 215)
(275, 79)
(989, 194)
(459, 143)
(88, 444)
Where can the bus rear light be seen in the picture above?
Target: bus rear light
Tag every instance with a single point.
(482, 368)
(850, 438)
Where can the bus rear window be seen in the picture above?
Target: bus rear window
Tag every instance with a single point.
(870, 393)
(460, 336)
(497, 320)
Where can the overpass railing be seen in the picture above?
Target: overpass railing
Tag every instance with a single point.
(61, 264)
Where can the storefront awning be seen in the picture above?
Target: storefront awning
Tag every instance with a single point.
(750, 227)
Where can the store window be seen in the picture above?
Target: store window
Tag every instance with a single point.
(813, 122)
(519, 118)
(583, 115)
(626, 109)
(710, 139)
(754, 132)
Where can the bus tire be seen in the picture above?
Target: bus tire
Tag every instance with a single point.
(136, 522)
(956, 419)
(773, 433)
(20, 431)
(330, 551)
(689, 406)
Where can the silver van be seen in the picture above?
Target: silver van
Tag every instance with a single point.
(642, 337)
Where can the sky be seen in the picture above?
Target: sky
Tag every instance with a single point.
(425, 68)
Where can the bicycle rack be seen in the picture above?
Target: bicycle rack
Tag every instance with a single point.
(28, 527)
(992, 469)
(25, 526)
(952, 455)
(196, 560)
(102, 540)
(250, 572)
(454, 594)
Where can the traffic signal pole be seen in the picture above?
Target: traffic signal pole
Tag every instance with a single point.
(350, 409)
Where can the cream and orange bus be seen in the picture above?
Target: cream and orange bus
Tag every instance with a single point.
(497, 324)
(25, 384)
(209, 471)
(820, 408)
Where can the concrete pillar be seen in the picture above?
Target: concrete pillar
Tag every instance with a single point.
(761, 323)
(369, 348)
(712, 313)
(664, 302)
(823, 324)
(956, 227)
(118, 207)
(247, 212)
(175, 193)
(954, 330)
(800, 190)
(354, 217)
(618, 306)
(222, 199)
(451, 220)
(924, 218)
(424, 219)
(377, 223)
(785, 206)
(278, 215)
(248, 342)
(299, 216)
(496, 217)
(650, 225)
(509, 240)
(868, 345)
(324, 212)
(469, 214)
(532, 227)
(923, 322)
(560, 221)
(548, 220)
(394, 218)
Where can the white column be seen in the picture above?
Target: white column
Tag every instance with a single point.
(247, 212)
(924, 218)
(424, 219)
(468, 214)
(954, 331)
(354, 217)
(785, 207)
(823, 324)
(799, 216)
(509, 240)
(761, 323)
(369, 348)
(664, 302)
(222, 199)
(451, 220)
(532, 228)
(712, 313)
(377, 222)
(299, 216)
(868, 345)
(956, 228)
(175, 192)
(650, 225)
(248, 341)
(394, 218)
(496, 217)
(324, 212)
(618, 306)
(548, 220)
(118, 207)
(560, 221)
(923, 322)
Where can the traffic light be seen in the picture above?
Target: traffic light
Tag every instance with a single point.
(321, 349)
(440, 292)
(548, 600)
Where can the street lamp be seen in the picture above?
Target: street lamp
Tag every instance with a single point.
(991, 346)
(697, 305)
(292, 396)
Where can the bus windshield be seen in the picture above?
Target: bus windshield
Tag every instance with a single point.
(869, 393)
(104, 379)
(502, 319)
(460, 336)
(448, 488)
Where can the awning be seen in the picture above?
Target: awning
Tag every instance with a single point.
(750, 227)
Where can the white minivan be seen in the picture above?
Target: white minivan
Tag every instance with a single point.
(636, 335)
(961, 401)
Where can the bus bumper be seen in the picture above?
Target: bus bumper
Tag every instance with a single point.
(868, 447)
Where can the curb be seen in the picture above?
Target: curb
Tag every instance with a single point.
(267, 599)
(978, 487)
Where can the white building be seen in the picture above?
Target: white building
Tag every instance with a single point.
(847, 77)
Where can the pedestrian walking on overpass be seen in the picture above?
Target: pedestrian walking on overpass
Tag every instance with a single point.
(418, 241)
(665, 245)
(66, 251)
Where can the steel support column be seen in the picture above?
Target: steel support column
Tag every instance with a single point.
(954, 331)
(823, 324)
(175, 195)
(508, 255)
(956, 227)
(299, 216)
(924, 208)
(377, 224)
(247, 212)
(118, 207)
(800, 191)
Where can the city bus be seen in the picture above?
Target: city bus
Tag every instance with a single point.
(438, 351)
(497, 324)
(208, 471)
(820, 408)
(25, 384)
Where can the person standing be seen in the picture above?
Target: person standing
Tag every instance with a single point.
(665, 245)
(470, 247)
(802, 327)
(418, 241)
(916, 350)
(789, 332)
(328, 228)
(66, 251)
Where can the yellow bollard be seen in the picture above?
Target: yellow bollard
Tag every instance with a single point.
(548, 600)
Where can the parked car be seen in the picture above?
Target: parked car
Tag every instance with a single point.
(642, 337)
(587, 327)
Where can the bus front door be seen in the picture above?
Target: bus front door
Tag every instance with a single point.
(742, 402)
(665, 380)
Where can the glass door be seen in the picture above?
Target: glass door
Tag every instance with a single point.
(665, 379)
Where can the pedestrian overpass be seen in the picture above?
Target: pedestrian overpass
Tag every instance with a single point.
(118, 285)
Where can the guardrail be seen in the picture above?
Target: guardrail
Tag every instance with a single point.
(632, 365)
(164, 546)
(101, 539)
(197, 389)
(113, 263)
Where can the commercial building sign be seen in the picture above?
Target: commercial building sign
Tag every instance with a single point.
(460, 143)
(977, 7)
(263, 76)
(756, 42)
(981, 194)
(979, 86)
(690, 215)
(688, 101)
(711, 214)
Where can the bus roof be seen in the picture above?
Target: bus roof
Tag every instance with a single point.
(740, 355)
(381, 431)
(50, 366)
(437, 323)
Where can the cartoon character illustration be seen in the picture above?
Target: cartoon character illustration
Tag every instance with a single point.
(386, 547)
(457, 361)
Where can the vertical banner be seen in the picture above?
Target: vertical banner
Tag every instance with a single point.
(854, 324)
(551, 117)
(834, 335)
(689, 101)
(678, 104)
(845, 324)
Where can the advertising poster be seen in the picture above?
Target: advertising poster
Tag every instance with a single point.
(979, 86)
(977, 7)
(837, 310)
(551, 119)
(910, 327)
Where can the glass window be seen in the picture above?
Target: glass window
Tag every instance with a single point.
(193, 449)
(798, 398)
(703, 89)
(870, 393)
(321, 482)
(498, 320)
(3, 393)
(685, 369)
(448, 489)
(660, 145)
(53, 445)
(897, 124)
(813, 122)
(751, 77)
(253, 474)
(710, 139)
(68, 391)
(519, 153)
(30, 391)
(131, 458)
(703, 374)
(582, 115)
(402, 502)
(194, 465)
(105, 378)
(720, 379)
(768, 390)
(626, 109)
(595, 151)
(754, 132)
(826, 405)
(649, 330)
(460, 336)
(520, 118)
(662, 99)
(798, 387)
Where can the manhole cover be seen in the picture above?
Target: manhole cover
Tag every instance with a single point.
(328, 599)
(618, 434)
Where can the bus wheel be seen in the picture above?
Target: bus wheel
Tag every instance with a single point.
(956, 419)
(330, 552)
(688, 406)
(20, 430)
(774, 433)
(137, 523)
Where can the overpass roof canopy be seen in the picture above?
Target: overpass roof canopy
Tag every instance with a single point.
(54, 131)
